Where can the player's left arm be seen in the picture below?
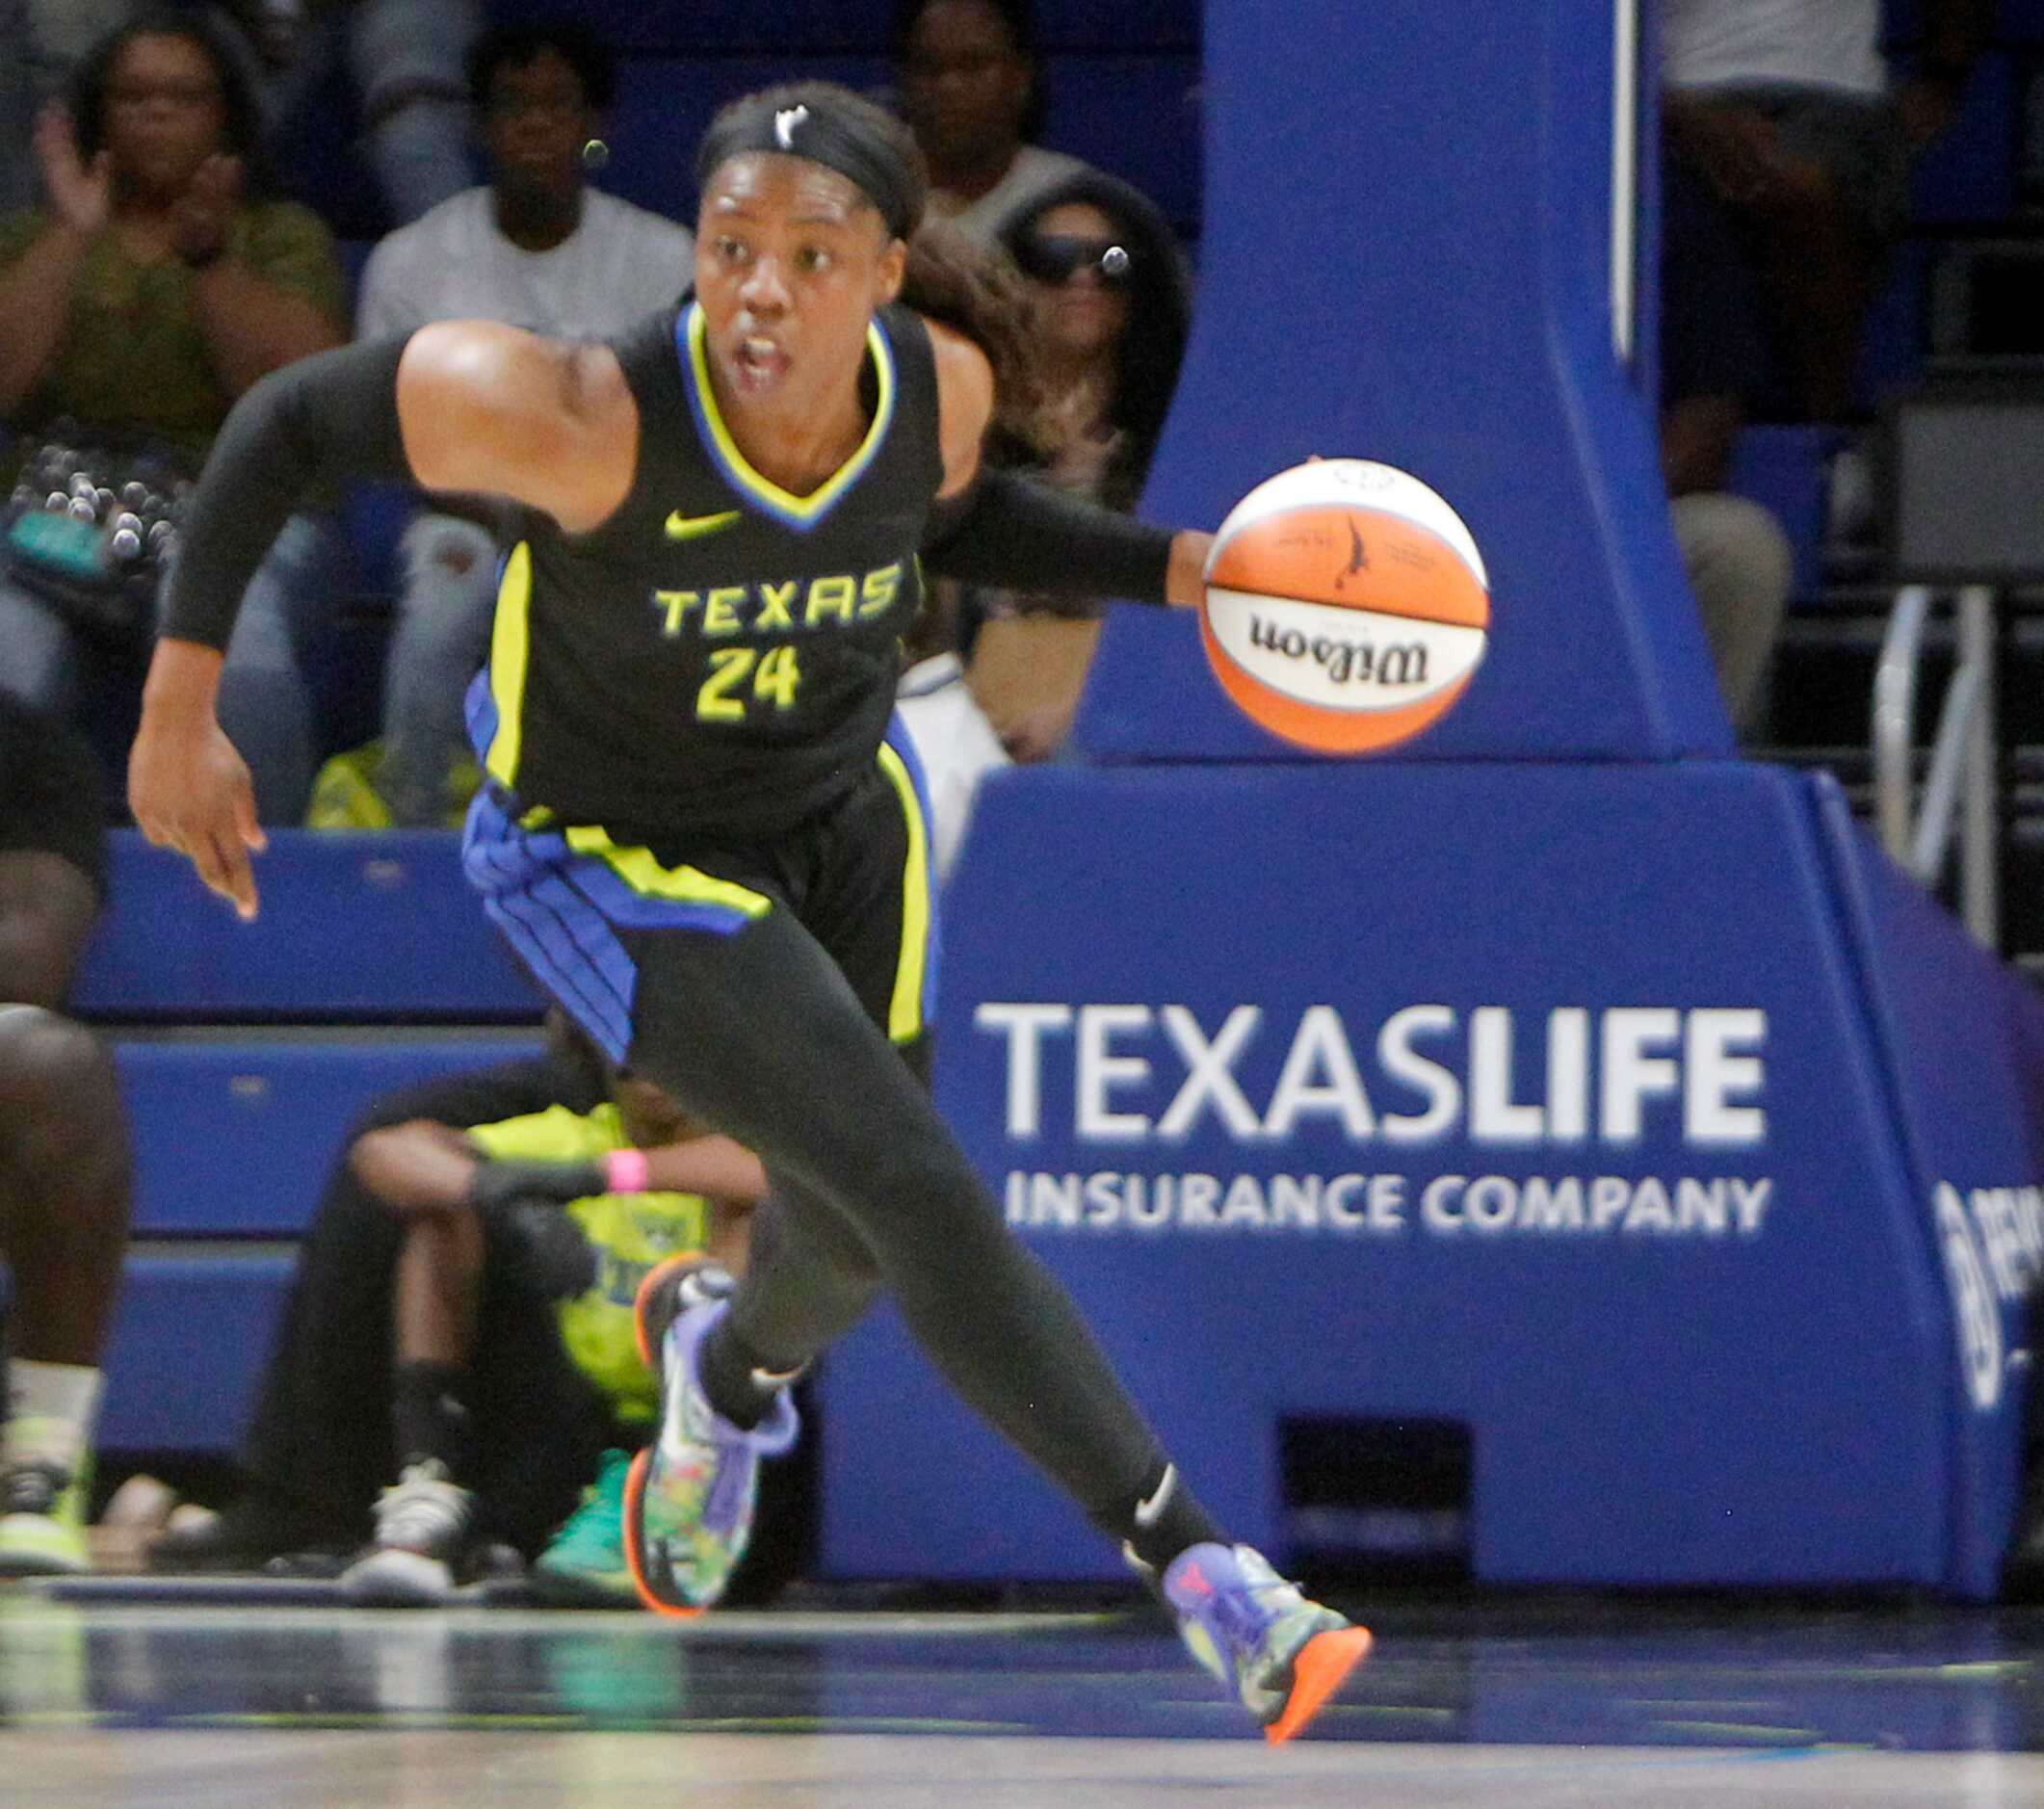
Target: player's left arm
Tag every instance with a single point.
(998, 528)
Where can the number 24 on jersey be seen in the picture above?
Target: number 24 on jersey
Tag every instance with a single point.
(775, 676)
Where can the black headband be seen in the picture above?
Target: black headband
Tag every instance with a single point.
(820, 133)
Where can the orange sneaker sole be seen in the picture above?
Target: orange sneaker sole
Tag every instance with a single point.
(1317, 1673)
(651, 1280)
(634, 1494)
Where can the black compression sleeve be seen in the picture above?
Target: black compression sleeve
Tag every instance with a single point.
(334, 415)
(1022, 536)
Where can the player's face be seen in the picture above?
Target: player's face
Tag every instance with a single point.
(166, 114)
(791, 262)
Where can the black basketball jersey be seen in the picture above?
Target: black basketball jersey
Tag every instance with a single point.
(720, 656)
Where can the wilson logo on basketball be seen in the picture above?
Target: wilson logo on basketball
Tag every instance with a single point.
(1346, 606)
(1345, 662)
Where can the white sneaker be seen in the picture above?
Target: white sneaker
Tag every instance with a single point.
(420, 1543)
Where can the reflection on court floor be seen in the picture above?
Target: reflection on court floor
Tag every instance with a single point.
(1526, 1704)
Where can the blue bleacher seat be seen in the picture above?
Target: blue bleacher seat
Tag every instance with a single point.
(373, 516)
(235, 1138)
(358, 929)
(188, 1348)
(235, 1130)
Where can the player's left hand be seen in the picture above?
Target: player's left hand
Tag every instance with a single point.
(190, 790)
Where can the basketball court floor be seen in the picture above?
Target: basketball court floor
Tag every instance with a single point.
(282, 1701)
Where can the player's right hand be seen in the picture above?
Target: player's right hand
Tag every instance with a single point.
(190, 790)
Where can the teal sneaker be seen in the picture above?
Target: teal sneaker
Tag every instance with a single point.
(586, 1562)
(689, 1499)
(1282, 1655)
(42, 1509)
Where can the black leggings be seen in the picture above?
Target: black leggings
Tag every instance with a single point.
(761, 1035)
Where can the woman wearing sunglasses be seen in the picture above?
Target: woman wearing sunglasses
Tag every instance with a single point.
(1113, 307)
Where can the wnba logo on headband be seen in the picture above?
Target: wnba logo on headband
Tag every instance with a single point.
(828, 126)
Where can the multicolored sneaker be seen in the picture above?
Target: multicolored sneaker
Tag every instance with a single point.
(43, 1504)
(585, 1561)
(1281, 1654)
(689, 1499)
(420, 1545)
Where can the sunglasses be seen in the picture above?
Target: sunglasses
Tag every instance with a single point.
(1055, 258)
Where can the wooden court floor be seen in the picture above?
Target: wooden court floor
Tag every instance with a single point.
(292, 1704)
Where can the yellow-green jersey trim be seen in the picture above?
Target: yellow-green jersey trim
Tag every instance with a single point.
(510, 650)
(800, 511)
(904, 1010)
(637, 868)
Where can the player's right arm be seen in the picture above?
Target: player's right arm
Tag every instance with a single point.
(490, 408)
(459, 405)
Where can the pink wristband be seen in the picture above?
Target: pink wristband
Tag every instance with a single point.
(626, 1170)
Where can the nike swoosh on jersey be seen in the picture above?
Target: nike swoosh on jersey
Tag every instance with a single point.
(681, 527)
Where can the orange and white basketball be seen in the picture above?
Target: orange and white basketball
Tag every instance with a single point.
(1347, 606)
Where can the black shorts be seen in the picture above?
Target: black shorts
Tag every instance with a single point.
(859, 877)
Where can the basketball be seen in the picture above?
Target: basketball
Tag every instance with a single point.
(1345, 608)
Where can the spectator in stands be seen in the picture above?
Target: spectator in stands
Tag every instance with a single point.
(457, 1313)
(1737, 556)
(536, 249)
(403, 56)
(154, 288)
(405, 60)
(1113, 307)
(1787, 108)
(65, 1161)
(971, 95)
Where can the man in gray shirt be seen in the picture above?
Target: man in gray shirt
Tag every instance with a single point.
(537, 248)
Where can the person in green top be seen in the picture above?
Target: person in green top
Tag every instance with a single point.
(592, 1207)
(155, 287)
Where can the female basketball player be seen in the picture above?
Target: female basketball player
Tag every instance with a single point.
(696, 828)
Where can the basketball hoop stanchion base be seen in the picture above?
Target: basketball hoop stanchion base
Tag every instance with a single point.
(1688, 1171)
(1554, 1075)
